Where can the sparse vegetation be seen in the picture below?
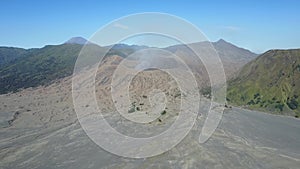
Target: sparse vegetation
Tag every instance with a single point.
(279, 106)
(163, 112)
(134, 108)
(292, 103)
(177, 95)
(131, 110)
(206, 92)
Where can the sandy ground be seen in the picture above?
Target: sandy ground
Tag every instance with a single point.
(40, 129)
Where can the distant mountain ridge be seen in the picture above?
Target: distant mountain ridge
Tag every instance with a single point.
(232, 57)
(125, 49)
(9, 54)
(23, 68)
(78, 40)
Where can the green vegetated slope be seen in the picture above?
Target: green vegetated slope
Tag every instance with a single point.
(9, 54)
(38, 67)
(270, 82)
(23, 68)
(34, 67)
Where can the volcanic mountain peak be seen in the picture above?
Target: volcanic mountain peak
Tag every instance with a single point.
(78, 40)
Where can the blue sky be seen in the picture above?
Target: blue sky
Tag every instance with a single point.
(256, 25)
